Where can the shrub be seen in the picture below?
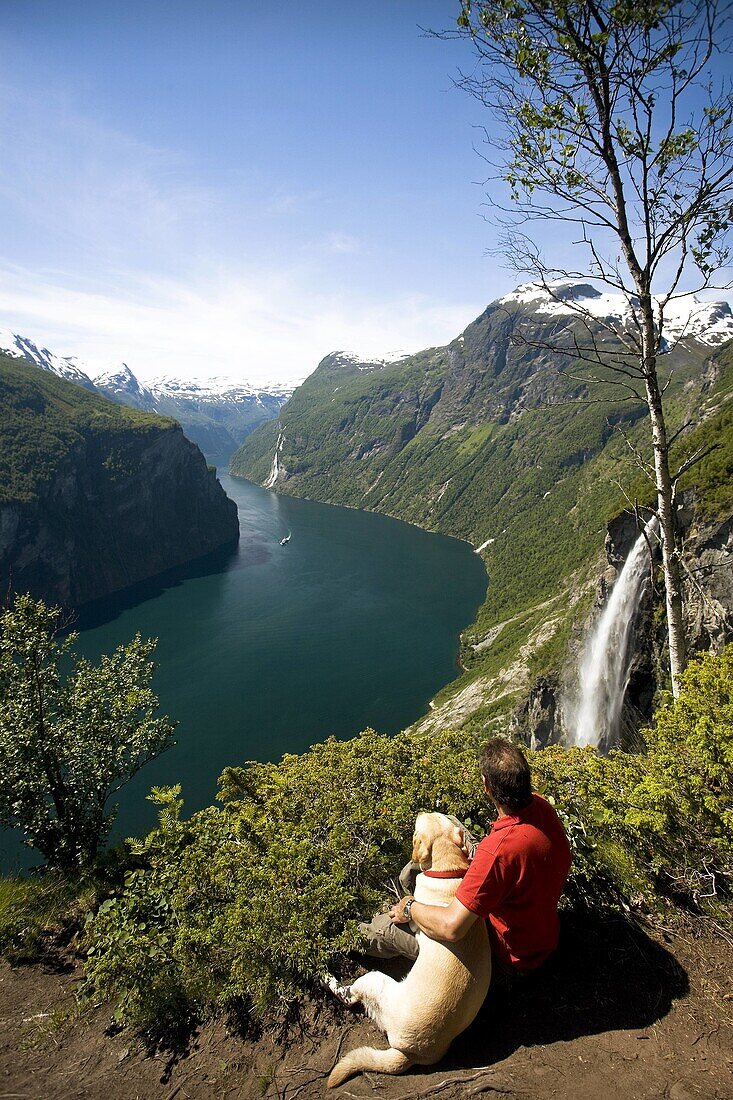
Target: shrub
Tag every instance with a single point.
(69, 742)
(251, 900)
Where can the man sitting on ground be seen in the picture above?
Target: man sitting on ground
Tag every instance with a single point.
(516, 877)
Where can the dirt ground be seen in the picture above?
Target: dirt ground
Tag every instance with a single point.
(618, 1014)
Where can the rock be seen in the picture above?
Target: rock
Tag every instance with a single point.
(708, 563)
(534, 722)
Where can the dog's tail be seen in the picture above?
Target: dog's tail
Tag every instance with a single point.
(383, 1061)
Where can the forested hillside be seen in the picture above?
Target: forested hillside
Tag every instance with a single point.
(94, 496)
(499, 438)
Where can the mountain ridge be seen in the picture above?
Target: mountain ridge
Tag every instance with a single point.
(216, 413)
(493, 439)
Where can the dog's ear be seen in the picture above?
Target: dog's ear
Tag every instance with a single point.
(420, 850)
(458, 837)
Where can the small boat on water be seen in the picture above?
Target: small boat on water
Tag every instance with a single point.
(286, 539)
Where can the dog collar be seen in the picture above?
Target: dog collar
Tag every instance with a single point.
(445, 874)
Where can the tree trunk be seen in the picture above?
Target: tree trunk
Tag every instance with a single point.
(665, 504)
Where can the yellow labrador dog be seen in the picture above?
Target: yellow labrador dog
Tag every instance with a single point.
(447, 984)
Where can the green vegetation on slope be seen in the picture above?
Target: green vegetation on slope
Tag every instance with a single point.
(712, 477)
(44, 419)
(34, 910)
(494, 442)
(247, 903)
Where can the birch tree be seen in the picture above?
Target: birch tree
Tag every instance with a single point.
(609, 120)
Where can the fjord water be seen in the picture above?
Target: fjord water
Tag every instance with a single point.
(269, 649)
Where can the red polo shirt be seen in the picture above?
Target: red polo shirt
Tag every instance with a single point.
(515, 881)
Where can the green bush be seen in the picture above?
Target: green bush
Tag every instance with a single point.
(71, 733)
(253, 900)
(250, 901)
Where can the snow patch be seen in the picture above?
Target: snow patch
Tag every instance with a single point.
(369, 362)
(22, 348)
(683, 318)
(217, 388)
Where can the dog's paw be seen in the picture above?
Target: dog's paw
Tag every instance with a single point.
(342, 992)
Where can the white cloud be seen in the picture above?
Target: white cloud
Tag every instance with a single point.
(258, 326)
(127, 254)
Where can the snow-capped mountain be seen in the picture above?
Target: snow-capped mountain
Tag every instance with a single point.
(215, 389)
(122, 386)
(491, 423)
(683, 318)
(215, 413)
(22, 348)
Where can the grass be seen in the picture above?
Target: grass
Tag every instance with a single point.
(475, 440)
(30, 911)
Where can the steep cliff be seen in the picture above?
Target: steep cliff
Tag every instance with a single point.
(95, 497)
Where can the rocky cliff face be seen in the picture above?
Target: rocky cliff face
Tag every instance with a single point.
(708, 606)
(97, 498)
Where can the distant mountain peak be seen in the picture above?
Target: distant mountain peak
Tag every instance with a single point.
(216, 413)
(217, 388)
(119, 377)
(119, 373)
(22, 348)
(685, 317)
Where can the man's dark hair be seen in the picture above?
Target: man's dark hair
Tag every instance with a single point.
(506, 772)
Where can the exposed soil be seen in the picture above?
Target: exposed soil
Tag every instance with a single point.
(618, 1014)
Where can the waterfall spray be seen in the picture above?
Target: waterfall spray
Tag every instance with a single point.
(606, 662)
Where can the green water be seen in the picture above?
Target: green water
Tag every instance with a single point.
(353, 623)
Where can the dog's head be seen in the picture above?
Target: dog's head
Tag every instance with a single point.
(428, 827)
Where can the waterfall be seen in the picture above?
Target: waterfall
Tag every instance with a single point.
(275, 469)
(605, 666)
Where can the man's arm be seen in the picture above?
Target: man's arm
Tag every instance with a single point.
(448, 923)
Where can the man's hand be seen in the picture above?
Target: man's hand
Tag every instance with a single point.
(397, 912)
(448, 923)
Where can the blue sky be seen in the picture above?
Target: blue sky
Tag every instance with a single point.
(237, 188)
(204, 187)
